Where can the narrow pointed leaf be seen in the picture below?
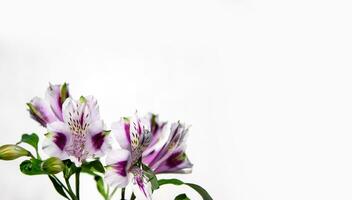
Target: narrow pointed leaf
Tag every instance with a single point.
(151, 177)
(201, 191)
(100, 186)
(58, 188)
(182, 197)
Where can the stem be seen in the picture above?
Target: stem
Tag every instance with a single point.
(123, 194)
(77, 182)
(133, 197)
(107, 193)
(37, 152)
(70, 191)
(112, 193)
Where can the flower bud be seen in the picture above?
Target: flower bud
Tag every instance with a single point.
(11, 152)
(53, 165)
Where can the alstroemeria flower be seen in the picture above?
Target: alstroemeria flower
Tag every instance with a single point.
(49, 110)
(80, 135)
(171, 156)
(134, 136)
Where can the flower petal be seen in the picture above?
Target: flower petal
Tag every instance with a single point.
(141, 187)
(76, 113)
(93, 108)
(70, 108)
(175, 143)
(118, 162)
(57, 140)
(177, 162)
(56, 97)
(121, 131)
(41, 111)
(99, 141)
(135, 132)
(157, 128)
(140, 133)
(114, 179)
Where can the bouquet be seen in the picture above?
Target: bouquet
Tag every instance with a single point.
(77, 141)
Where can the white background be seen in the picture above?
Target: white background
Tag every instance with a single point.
(265, 84)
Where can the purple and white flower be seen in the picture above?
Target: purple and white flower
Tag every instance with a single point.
(80, 134)
(171, 156)
(134, 136)
(49, 110)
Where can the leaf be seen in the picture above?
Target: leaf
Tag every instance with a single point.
(32, 167)
(96, 164)
(201, 191)
(32, 140)
(182, 197)
(100, 185)
(170, 181)
(151, 177)
(58, 187)
(90, 167)
(69, 169)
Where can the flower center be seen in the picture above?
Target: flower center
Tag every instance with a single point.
(78, 126)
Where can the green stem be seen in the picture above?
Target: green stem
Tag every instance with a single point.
(37, 152)
(70, 191)
(133, 197)
(112, 193)
(107, 193)
(77, 182)
(123, 194)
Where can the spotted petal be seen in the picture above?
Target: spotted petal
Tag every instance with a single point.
(140, 133)
(141, 186)
(118, 162)
(93, 108)
(76, 113)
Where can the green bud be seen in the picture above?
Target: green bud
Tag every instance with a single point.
(82, 99)
(64, 92)
(11, 152)
(53, 165)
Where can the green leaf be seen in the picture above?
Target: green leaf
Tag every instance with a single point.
(182, 197)
(100, 186)
(32, 140)
(69, 169)
(32, 167)
(58, 187)
(96, 164)
(201, 191)
(93, 166)
(170, 181)
(151, 177)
